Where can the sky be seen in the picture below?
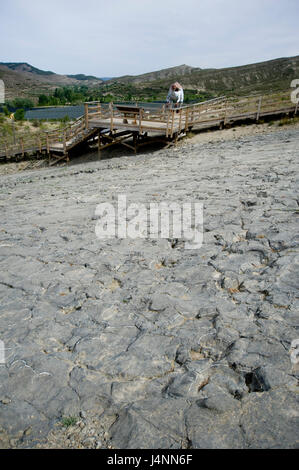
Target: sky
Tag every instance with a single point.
(111, 38)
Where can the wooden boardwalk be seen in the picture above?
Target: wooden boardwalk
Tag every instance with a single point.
(134, 126)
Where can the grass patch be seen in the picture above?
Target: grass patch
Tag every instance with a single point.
(287, 121)
(9, 128)
(68, 421)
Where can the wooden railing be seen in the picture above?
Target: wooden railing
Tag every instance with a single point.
(44, 141)
(230, 109)
(173, 121)
(171, 117)
(23, 144)
(218, 111)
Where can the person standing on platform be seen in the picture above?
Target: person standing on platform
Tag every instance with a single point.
(175, 95)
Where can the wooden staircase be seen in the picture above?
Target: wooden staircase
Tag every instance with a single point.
(56, 144)
(112, 124)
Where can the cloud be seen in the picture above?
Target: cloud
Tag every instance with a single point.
(130, 37)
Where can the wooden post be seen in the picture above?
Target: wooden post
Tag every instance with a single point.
(140, 120)
(167, 124)
(36, 144)
(225, 111)
(48, 147)
(135, 142)
(172, 122)
(192, 115)
(259, 108)
(64, 143)
(86, 115)
(180, 120)
(6, 149)
(186, 119)
(111, 116)
(99, 145)
(47, 143)
(22, 145)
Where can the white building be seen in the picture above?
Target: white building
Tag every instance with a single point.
(2, 92)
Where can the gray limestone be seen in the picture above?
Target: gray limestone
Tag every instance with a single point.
(148, 344)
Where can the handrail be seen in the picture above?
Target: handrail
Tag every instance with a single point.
(200, 103)
(25, 141)
(220, 109)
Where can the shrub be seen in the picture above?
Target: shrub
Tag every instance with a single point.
(20, 114)
(65, 118)
(43, 100)
(23, 103)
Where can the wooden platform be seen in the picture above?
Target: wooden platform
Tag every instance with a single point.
(134, 126)
(142, 126)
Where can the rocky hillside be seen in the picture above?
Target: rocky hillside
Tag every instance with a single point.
(273, 75)
(181, 71)
(24, 80)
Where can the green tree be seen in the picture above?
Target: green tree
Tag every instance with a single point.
(23, 103)
(42, 100)
(20, 114)
(5, 110)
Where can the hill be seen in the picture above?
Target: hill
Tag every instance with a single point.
(169, 73)
(24, 80)
(272, 75)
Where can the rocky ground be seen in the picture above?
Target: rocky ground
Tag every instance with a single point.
(142, 343)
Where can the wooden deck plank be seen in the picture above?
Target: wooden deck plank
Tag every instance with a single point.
(119, 124)
(166, 124)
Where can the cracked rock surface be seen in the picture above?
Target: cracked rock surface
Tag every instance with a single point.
(148, 344)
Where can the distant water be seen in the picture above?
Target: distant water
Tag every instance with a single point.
(73, 112)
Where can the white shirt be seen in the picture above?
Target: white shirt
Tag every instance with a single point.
(175, 96)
